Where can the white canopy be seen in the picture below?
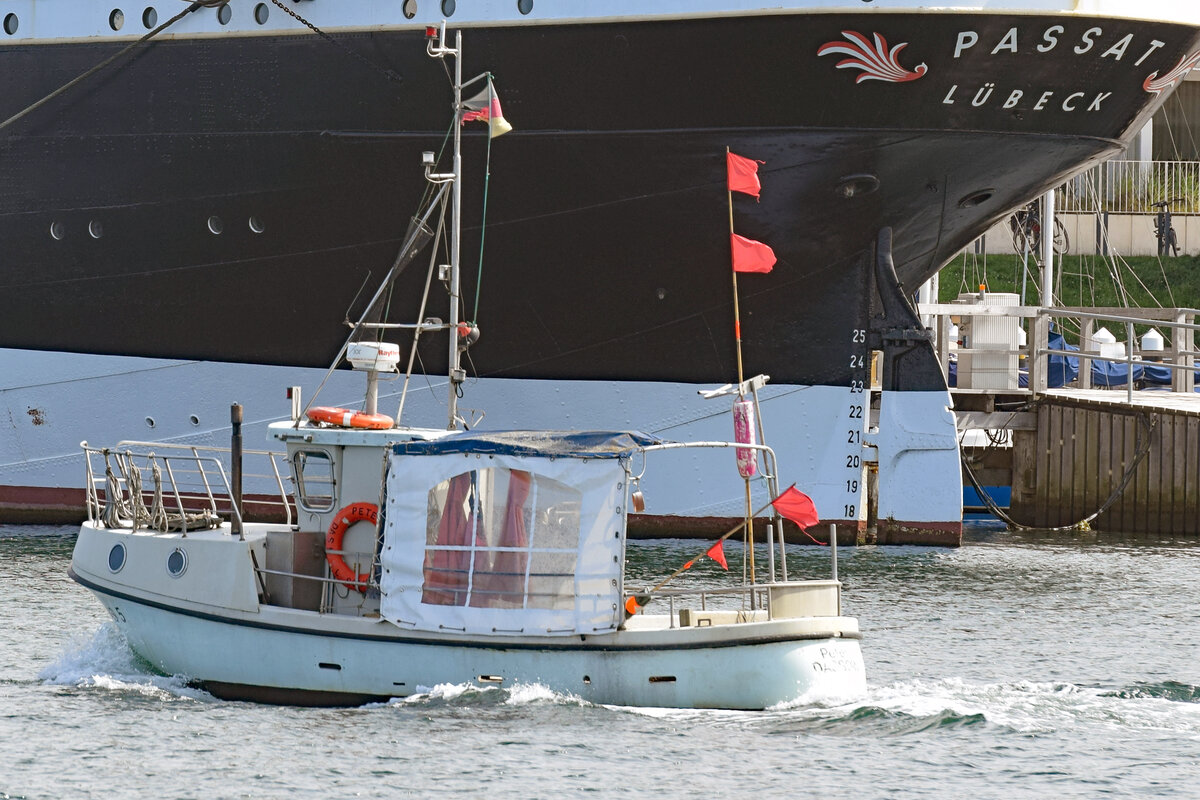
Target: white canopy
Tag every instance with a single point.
(503, 544)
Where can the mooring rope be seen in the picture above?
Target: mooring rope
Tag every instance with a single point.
(1084, 524)
(196, 5)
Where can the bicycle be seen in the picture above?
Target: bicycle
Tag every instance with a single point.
(1026, 225)
(1164, 231)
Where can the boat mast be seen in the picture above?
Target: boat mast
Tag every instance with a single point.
(437, 49)
(457, 376)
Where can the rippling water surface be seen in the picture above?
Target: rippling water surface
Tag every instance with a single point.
(1017, 666)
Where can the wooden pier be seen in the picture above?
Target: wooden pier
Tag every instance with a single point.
(1116, 459)
(1076, 455)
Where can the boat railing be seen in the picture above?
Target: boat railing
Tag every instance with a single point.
(744, 603)
(264, 471)
(165, 487)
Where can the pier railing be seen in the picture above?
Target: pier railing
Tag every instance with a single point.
(1132, 187)
(1179, 357)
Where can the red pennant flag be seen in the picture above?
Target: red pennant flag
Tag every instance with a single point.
(798, 507)
(743, 174)
(750, 256)
(717, 553)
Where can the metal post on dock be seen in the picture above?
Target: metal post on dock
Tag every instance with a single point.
(1048, 249)
(235, 459)
(833, 547)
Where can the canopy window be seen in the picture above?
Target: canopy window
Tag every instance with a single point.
(503, 543)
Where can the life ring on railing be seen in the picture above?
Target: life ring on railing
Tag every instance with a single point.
(355, 512)
(345, 418)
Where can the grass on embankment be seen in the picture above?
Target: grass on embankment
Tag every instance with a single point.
(1144, 282)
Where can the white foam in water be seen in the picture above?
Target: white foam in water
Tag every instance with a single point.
(522, 693)
(106, 662)
(1026, 706)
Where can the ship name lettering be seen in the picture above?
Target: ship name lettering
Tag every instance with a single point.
(1071, 102)
(1088, 41)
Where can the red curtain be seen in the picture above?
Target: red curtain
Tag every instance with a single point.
(447, 571)
(503, 584)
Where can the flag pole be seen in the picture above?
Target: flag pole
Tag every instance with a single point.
(737, 317)
(737, 335)
(692, 561)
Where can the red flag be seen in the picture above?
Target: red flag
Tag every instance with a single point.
(717, 553)
(797, 506)
(743, 174)
(750, 256)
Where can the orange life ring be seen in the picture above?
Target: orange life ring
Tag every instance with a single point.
(355, 512)
(345, 418)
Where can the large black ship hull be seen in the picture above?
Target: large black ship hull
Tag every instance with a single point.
(228, 198)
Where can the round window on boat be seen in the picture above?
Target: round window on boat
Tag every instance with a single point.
(150, 17)
(150, 423)
(261, 12)
(116, 557)
(448, 7)
(11, 23)
(58, 231)
(256, 225)
(524, 6)
(194, 419)
(976, 198)
(215, 226)
(116, 20)
(177, 562)
(96, 228)
(224, 14)
(410, 9)
(857, 185)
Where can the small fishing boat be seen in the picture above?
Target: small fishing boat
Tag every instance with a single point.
(425, 556)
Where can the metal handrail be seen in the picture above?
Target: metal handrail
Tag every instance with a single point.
(273, 458)
(124, 483)
(1184, 354)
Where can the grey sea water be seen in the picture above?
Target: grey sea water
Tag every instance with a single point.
(1019, 666)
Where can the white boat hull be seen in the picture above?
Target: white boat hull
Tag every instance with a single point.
(247, 650)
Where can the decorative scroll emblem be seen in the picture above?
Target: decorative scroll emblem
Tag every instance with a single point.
(875, 60)
(1157, 85)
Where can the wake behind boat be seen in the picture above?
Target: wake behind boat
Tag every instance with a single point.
(422, 556)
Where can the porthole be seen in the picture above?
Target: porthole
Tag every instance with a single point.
(976, 198)
(857, 185)
(215, 226)
(194, 419)
(261, 13)
(256, 225)
(116, 20)
(177, 562)
(224, 14)
(149, 18)
(11, 23)
(96, 228)
(58, 231)
(448, 8)
(116, 557)
(524, 6)
(410, 9)
(150, 423)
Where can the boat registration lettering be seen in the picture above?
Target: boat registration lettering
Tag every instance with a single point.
(833, 660)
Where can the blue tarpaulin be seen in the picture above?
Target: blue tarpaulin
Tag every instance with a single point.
(569, 444)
